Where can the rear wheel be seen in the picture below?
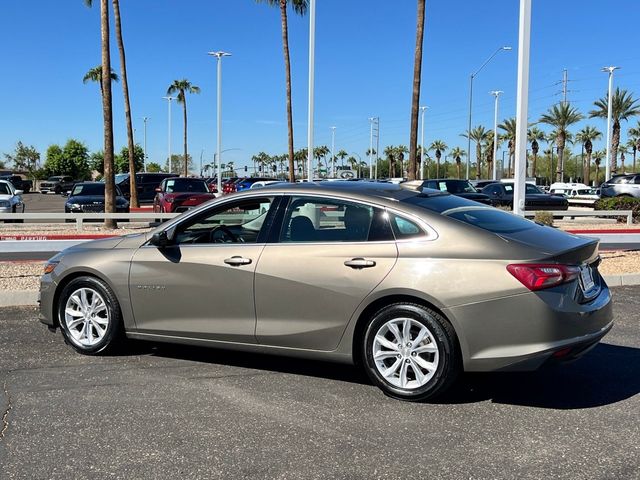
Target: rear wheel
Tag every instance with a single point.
(410, 352)
(89, 316)
(58, 190)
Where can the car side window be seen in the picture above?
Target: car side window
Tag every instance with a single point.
(235, 222)
(637, 180)
(404, 229)
(309, 219)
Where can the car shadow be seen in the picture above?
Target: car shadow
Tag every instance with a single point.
(606, 375)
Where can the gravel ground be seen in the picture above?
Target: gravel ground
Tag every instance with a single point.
(69, 229)
(26, 275)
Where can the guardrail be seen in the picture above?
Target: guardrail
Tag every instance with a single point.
(79, 218)
(584, 213)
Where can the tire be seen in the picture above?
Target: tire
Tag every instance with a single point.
(106, 332)
(437, 348)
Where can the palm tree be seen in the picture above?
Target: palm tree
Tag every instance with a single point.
(634, 142)
(457, 153)
(598, 155)
(535, 135)
(401, 151)
(127, 105)
(509, 127)
(488, 148)
(299, 7)
(107, 112)
(95, 75)
(390, 153)
(586, 137)
(415, 99)
(622, 149)
(182, 87)
(478, 135)
(623, 107)
(300, 156)
(561, 117)
(342, 155)
(438, 146)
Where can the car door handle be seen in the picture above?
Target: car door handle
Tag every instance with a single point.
(360, 263)
(237, 261)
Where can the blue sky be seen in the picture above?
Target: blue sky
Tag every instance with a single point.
(364, 65)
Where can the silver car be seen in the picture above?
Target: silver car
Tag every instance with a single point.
(414, 285)
(622, 186)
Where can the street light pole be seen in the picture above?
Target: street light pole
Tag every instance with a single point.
(522, 107)
(312, 48)
(169, 132)
(371, 119)
(471, 77)
(422, 109)
(219, 56)
(607, 175)
(333, 146)
(496, 94)
(144, 120)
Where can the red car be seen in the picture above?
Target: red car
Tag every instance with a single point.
(180, 194)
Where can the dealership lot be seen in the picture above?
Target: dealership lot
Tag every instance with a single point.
(167, 412)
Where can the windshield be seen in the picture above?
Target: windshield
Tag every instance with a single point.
(528, 188)
(54, 179)
(121, 177)
(453, 186)
(186, 185)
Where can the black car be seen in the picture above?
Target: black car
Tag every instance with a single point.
(460, 188)
(534, 199)
(146, 184)
(88, 197)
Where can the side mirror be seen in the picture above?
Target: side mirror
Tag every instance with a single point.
(19, 192)
(160, 239)
(158, 189)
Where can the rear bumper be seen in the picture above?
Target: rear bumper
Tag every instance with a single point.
(522, 332)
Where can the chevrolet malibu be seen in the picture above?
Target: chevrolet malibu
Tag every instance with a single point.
(413, 285)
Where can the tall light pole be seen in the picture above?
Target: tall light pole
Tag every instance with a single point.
(168, 99)
(422, 110)
(144, 143)
(219, 56)
(371, 120)
(610, 70)
(495, 93)
(333, 146)
(312, 49)
(471, 77)
(522, 107)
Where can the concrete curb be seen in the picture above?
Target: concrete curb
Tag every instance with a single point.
(30, 297)
(19, 297)
(622, 280)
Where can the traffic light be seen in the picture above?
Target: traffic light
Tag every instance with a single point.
(246, 169)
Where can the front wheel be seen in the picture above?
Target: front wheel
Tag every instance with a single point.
(410, 352)
(89, 316)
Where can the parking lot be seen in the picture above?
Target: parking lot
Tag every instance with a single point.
(161, 411)
(40, 203)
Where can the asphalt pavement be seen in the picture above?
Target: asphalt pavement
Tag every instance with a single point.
(168, 412)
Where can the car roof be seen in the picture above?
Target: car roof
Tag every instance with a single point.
(384, 193)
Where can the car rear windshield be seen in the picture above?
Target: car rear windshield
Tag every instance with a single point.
(186, 185)
(96, 189)
(466, 211)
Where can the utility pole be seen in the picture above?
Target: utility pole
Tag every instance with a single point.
(422, 110)
(333, 146)
(377, 132)
(607, 175)
(496, 94)
(219, 56)
(565, 80)
(371, 119)
(144, 120)
(522, 107)
(169, 133)
(312, 51)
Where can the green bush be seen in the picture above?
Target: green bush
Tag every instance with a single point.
(620, 203)
(544, 217)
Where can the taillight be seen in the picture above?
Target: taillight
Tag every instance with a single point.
(537, 276)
